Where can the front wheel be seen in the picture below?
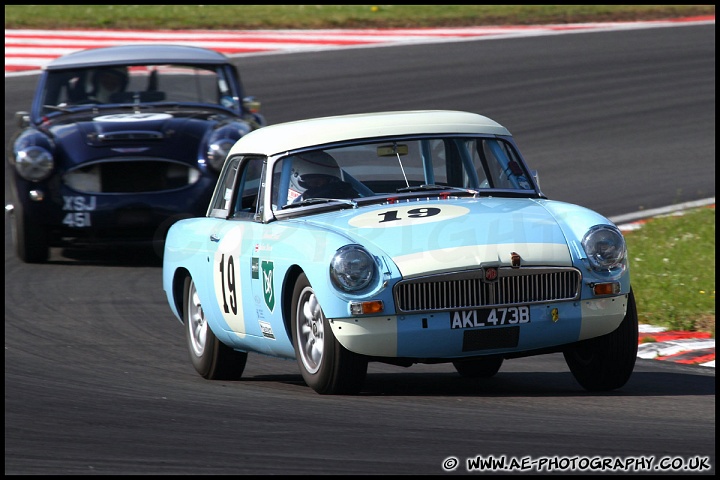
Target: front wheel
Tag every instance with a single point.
(606, 362)
(31, 241)
(211, 358)
(326, 366)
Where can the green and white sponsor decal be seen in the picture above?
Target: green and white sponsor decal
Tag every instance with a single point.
(268, 287)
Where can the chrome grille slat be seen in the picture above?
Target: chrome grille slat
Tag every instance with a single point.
(467, 290)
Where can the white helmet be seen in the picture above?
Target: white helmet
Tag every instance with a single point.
(310, 167)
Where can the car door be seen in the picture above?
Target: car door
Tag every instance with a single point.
(230, 252)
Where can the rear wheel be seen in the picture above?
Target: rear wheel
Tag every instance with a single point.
(31, 241)
(211, 358)
(606, 362)
(326, 366)
(479, 367)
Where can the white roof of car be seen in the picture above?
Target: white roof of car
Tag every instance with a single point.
(283, 137)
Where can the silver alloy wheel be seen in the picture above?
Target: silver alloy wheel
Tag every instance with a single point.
(197, 326)
(310, 330)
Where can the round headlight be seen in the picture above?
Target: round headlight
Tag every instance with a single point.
(605, 247)
(217, 152)
(352, 268)
(34, 163)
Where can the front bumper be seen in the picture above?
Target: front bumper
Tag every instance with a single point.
(72, 218)
(432, 336)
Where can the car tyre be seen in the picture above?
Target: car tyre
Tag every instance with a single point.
(326, 366)
(211, 358)
(31, 242)
(606, 363)
(479, 367)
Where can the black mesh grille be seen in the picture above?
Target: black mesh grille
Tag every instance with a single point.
(131, 176)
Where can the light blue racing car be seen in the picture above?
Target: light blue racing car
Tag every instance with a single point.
(397, 237)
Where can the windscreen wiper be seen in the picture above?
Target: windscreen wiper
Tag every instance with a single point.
(315, 201)
(426, 188)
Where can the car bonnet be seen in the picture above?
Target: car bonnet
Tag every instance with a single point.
(435, 236)
(125, 126)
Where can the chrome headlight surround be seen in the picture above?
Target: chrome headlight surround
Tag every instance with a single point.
(352, 268)
(34, 163)
(218, 149)
(605, 247)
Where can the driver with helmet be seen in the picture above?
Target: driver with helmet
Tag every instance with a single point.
(108, 81)
(316, 174)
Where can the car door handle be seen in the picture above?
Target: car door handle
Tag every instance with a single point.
(214, 237)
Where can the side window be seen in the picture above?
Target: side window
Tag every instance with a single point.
(222, 198)
(238, 189)
(504, 169)
(280, 194)
(248, 188)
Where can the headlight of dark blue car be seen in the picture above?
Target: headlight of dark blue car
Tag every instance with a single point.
(34, 163)
(605, 247)
(218, 149)
(352, 268)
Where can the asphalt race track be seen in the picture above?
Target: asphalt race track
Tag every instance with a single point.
(97, 379)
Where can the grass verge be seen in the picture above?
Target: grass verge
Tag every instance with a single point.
(236, 17)
(672, 269)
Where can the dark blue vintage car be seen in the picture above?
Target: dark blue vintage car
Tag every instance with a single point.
(120, 143)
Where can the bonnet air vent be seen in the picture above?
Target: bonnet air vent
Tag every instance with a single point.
(129, 135)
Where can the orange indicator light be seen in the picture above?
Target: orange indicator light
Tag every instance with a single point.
(606, 288)
(375, 306)
(365, 308)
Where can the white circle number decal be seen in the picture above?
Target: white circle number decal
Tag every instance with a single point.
(133, 117)
(397, 216)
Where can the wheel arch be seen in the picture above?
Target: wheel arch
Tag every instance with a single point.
(288, 285)
(178, 290)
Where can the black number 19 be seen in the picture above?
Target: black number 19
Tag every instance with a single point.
(230, 284)
(392, 215)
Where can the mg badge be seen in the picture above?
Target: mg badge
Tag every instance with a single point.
(490, 274)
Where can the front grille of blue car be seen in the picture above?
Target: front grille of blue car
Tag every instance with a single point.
(469, 289)
(130, 176)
